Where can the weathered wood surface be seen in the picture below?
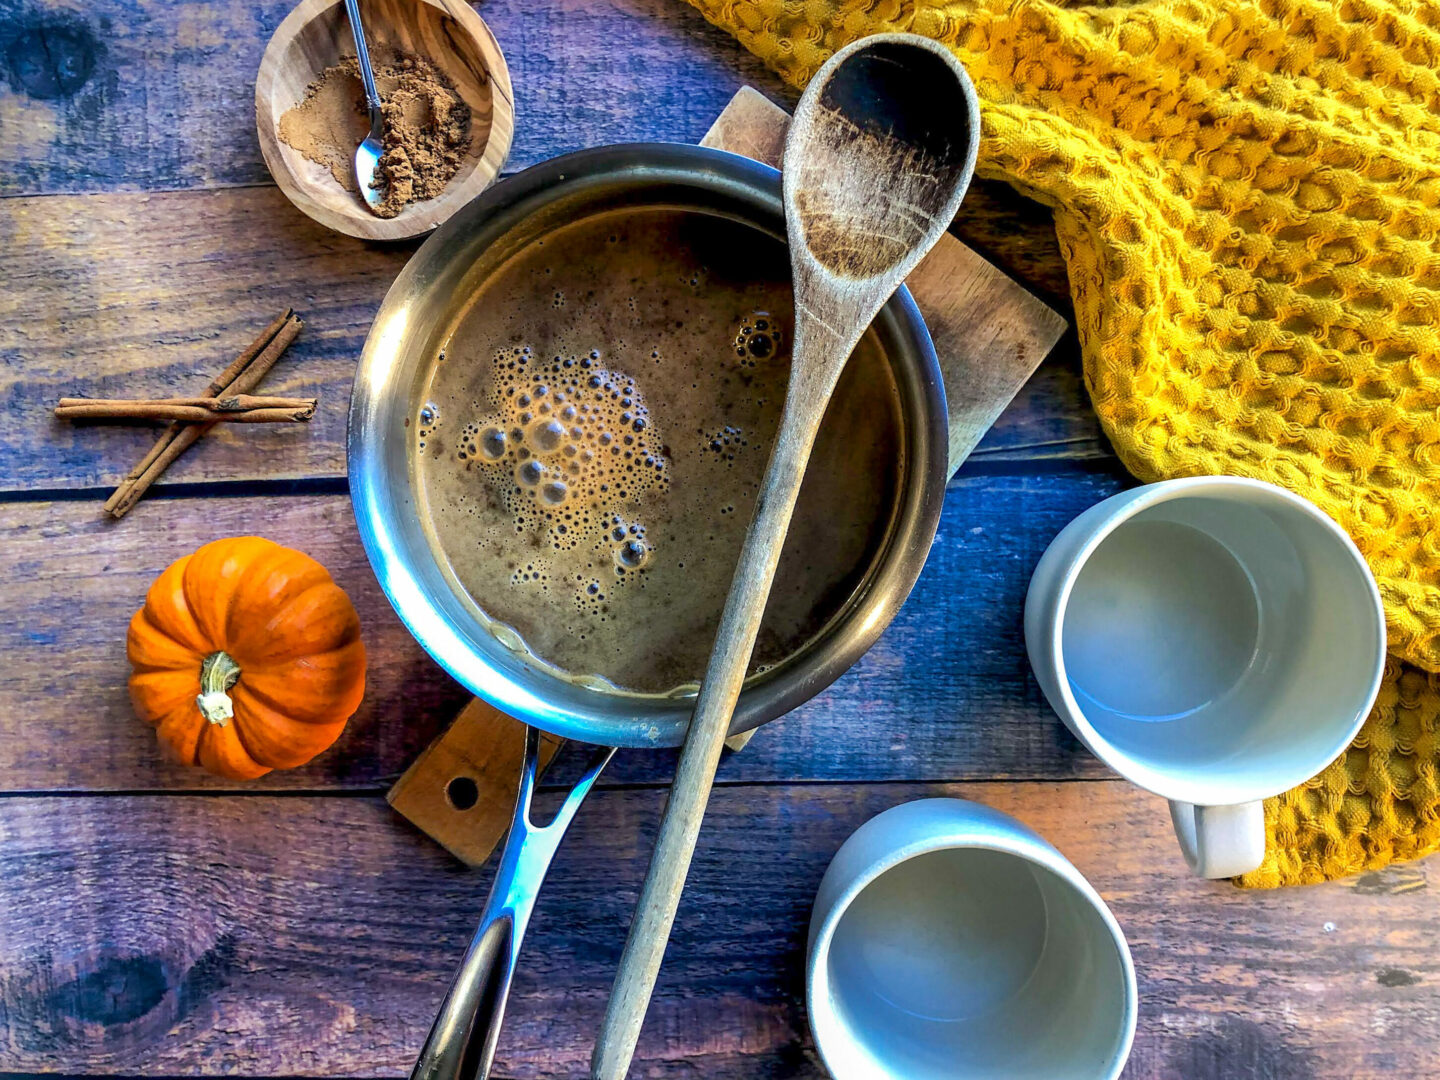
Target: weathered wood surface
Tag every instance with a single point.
(113, 292)
(147, 95)
(101, 301)
(72, 582)
(266, 936)
(945, 694)
(304, 934)
(151, 95)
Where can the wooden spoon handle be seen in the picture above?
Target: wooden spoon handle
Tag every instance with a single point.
(670, 863)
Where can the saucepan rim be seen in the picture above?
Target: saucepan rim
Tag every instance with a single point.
(380, 472)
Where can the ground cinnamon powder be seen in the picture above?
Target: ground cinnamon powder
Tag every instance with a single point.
(427, 128)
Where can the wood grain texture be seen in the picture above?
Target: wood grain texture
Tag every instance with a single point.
(150, 95)
(316, 35)
(1018, 235)
(315, 937)
(482, 751)
(585, 73)
(588, 72)
(945, 693)
(102, 302)
(116, 295)
(75, 578)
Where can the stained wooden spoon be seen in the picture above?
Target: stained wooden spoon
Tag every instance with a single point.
(876, 162)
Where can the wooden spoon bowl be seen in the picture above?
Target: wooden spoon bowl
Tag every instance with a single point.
(316, 36)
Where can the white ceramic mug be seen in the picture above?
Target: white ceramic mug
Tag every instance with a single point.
(950, 942)
(1215, 640)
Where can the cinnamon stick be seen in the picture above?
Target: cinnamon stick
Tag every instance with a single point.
(243, 402)
(241, 408)
(242, 376)
(253, 350)
(217, 384)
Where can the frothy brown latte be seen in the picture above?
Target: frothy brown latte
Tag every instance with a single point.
(594, 436)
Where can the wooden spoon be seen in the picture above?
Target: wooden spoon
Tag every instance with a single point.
(876, 162)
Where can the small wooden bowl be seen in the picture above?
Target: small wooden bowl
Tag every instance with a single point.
(316, 35)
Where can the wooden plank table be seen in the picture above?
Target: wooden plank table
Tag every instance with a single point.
(155, 922)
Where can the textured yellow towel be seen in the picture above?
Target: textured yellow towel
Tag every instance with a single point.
(1247, 196)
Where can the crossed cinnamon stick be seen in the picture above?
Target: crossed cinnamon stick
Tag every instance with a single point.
(227, 393)
(239, 409)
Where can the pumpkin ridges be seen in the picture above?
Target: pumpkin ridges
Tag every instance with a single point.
(274, 578)
(300, 659)
(326, 677)
(179, 734)
(280, 741)
(215, 575)
(221, 752)
(158, 694)
(245, 746)
(169, 612)
(317, 620)
(151, 649)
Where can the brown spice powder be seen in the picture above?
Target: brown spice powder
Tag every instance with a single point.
(427, 128)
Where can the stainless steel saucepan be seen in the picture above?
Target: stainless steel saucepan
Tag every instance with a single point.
(388, 393)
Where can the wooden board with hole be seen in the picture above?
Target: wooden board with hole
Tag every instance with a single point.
(461, 789)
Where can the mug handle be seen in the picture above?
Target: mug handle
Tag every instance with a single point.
(1220, 841)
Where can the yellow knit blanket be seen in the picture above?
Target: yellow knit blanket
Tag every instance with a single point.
(1247, 195)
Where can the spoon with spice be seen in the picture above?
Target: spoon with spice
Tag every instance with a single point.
(367, 154)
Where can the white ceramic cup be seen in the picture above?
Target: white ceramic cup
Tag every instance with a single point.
(949, 941)
(1215, 640)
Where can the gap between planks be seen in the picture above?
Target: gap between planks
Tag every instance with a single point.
(379, 791)
(315, 938)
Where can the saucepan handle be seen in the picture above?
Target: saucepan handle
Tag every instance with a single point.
(461, 1044)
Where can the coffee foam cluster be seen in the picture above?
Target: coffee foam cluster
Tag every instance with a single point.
(566, 443)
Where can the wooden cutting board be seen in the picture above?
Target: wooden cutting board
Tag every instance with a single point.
(990, 334)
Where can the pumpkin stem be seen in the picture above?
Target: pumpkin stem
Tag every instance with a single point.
(218, 673)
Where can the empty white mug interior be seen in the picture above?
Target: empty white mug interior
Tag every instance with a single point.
(972, 963)
(1230, 640)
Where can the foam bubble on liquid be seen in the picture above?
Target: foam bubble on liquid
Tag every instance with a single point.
(632, 554)
(429, 421)
(567, 445)
(493, 443)
(758, 339)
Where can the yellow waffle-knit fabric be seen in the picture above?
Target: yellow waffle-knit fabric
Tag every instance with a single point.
(1247, 196)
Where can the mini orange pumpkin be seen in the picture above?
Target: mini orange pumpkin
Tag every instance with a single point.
(247, 657)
